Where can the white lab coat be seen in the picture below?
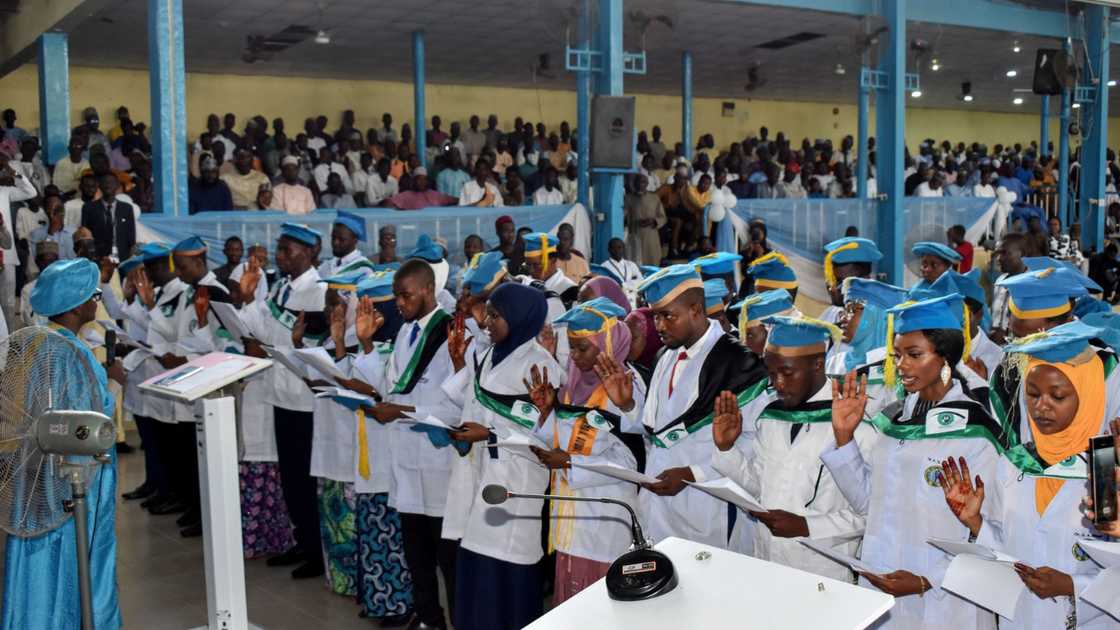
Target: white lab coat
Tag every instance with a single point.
(163, 336)
(379, 452)
(986, 351)
(896, 484)
(335, 430)
(789, 476)
(558, 283)
(510, 532)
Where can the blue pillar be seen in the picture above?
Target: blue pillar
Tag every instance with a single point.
(167, 83)
(890, 115)
(686, 104)
(583, 113)
(54, 95)
(420, 126)
(1095, 118)
(1044, 126)
(608, 186)
(862, 167)
(1063, 154)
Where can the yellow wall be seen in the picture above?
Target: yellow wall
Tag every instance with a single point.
(295, 98)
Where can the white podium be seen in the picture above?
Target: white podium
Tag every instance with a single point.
(209, 382)
(726, 590)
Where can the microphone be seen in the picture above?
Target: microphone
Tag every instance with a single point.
(640, 573)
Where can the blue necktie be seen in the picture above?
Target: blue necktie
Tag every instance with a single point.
(285, 295)
(413, 334)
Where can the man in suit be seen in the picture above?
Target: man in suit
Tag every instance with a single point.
(112, 221)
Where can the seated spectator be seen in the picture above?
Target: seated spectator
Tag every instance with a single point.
(68, 171)
(569, 184)
(327, 165)
(291, 195)
(450, 181)
(381, 184)
(264, 197)
(99, 165)
(1062, 246)
(513, 192)
(549, 193)
(503, 159)
(244, 182)
(208, 192)
(572, 262)
(420, 196)
(1104, 269)
(360, 177)
(55, 231)
(956, 237)
(336, 196)
(930, 188)
(480, 191)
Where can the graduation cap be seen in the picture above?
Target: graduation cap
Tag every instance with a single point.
(772, 271)
(669, 283)
(1044, 293)
(649, 270)
(1087, 305)
(540, 245)
(603, 270)
(484, 271)
(352, 222)
(190, 246)
(757, 307)
(390, 266)
(427, 249)
(716, 263)
(850, 249)
(940, 250)
(1038, 263)
(65, 285)
(153, 251)
(799, 336)
(591, 317)
(300, 233)
(1067, 343)
(377, 286)
(873, 292)
(714, 292)
(345, 281)
(944, 312)
(128, 264)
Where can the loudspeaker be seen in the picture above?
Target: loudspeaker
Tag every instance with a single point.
(1053, 71)
(612, 132)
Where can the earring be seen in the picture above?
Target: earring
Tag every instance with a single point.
(946, 374)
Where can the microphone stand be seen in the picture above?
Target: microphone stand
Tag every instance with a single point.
(637, 538)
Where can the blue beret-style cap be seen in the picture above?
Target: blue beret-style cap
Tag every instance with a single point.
(301, 234)
(759, 306)
(1059, 344)
(352, 222)
(603, 270)
(873, 292)
(128, 264)
(427, 249)
(347, 280)
(536, 242)
(940, 312)
(853, 249)
(716, 263)
(190, 246)
(1044, 293)
(591, 317)
(666, 285)
(483, 272)
(378, 286)
(154, 251)
(65, 285)
(802, 335)
(714, 292)
(941, 250)
(772, 271)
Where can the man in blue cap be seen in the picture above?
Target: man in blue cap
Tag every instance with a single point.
(561, 292)
(936, 258)
(700, 362)
(40, 573)
(780, 463)
(435, 254)
(292, 315)
(347, 231)
(848, 257)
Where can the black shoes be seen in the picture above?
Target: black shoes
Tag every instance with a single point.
(307, 570)
(288, 558)
(395, 621)
(123, 448)
(142, 491)
(171, 506)
(191, 531)
(190, 517)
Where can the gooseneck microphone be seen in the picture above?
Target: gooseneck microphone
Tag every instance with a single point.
(640, 573)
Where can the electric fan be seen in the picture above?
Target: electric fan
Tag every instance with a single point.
(51, 440)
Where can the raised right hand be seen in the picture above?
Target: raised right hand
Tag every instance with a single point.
(727, 423)
(250, 279)
(367, 320)
(457, 342)
(848, 404)
(963, 498)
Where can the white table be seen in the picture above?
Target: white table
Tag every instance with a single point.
(728, 590)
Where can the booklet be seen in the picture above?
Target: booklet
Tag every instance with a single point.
(1104, 591)
(958, 547)
(288, 358)
(431, 421)
(733, 493)
(611, 469)
(1106, 554)
(320, 359)
(828, 551)
(230, 320)
(519, 443)
(991, 584)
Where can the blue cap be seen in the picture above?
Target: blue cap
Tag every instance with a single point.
(484, 271)
(968, 285)
(1060, 344)
(65, 285)
(1045, 293)
(389, 266)
(128, 264)
(940, 312)
(873, 292)
(1038, 263)
(758, 306)
(190, 246)
(602, 270)
(537, 242)
(300, 233)
(352, 222)
(941, 250)
(799, 336)
(591, 317)
(153, 251)
(1087, 305)
(716, 263)
(850, 249)
(378, 286)
(714, 292)
(667, 284)
(649, 270)
(347, 280)
(772, 271)
(427, 249)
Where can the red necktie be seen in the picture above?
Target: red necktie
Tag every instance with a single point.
(680, 357)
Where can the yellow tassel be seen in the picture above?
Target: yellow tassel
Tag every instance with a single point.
(363, 445)
(829, 271)
(545, 251)
(888, 363)
(743, 323)
(171, 262)
(967, 335)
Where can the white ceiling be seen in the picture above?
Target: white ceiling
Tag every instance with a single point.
(497, 41)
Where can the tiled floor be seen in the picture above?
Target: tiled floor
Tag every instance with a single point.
(162, 586)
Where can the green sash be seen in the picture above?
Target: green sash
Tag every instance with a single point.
(517, 409)
(675, 433)
(423, 354)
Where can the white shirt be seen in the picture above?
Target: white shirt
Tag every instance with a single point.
(322, 171)
(924, 190)
(314, 143)
(625, 269)
(545, 197)
(472, 193)
(983, 190)
(378, 190)
(22, 190)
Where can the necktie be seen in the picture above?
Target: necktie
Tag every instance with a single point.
(672, 373)
(413, 334)
(287, 293)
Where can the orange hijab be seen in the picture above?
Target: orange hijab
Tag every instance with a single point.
(1087, 378)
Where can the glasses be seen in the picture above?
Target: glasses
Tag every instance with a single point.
(96, 297)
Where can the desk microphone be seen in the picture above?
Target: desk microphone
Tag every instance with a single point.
(640, 573)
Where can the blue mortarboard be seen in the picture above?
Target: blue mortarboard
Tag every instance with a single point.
(798, 336)
(873, 292)
(347, 280)
(666, 285)
(128, 264)
(591, 317)
(484, 271)
(602, 270)
(772, 271)
(1042, 263)
(65, 285)
(154, 251)
(190, 246)
(967, 285)
(758, 306)
(300, 233)
(1060, 344)
(716, 263)
(1045, 293)
(850, 249)
(1087, 305)
(714, 292)
(389, 266)
(352, 222)
(378, 286)
(427, 249)
(649, 270)
(537, 243)
(931, 248)
(939, 312)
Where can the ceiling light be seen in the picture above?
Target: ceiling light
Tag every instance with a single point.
(1012, 73)
(916, 94)
(1018, 100)
(840, 69)
(967, 98)
(1076, 106)
(322, 37)
(1015, 47)
(934, 65)
(1112, 83)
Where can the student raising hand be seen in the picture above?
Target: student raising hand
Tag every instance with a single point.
(727, 423)
(963, 498)
(367, 321)
(541, 391)
(618, 383)
(849, 400)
